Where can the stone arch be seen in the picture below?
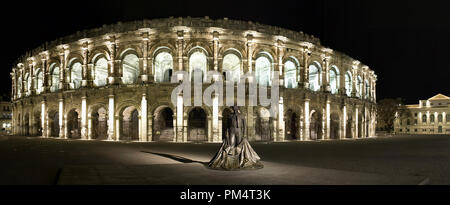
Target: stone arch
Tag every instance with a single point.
(227, 69)
(53, 123)
(291, 70)
(263, 49)
(315, 125)
(100, 69)
(236, 46)
(315, 76)
(349, 124)
(198, 60)
(74, 72)
(73, 124)
(130, 48)
(100, 50)
(163, 68)
(334, 125)
(334, 76)
(155, 46)
(263, 75)
(163, 124)
(197, 124)
(26, 124)
(263, 125)
(291, 124)
(130, 65)
(98, 115)
(129, 120)
(193, 44)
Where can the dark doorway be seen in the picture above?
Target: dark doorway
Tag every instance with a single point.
(163, 125)
(197, 125)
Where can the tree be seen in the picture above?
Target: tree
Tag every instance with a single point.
(387, 111)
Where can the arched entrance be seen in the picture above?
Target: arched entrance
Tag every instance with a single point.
(348, 127)
(315, 126)
(334, 126)
(263, 125)
(99, 120)
(37, 124)
(291, 125)
(197, 125)
(26, 124)
(73, 125)
(360, 126)
(54, 124)
(130, 124)
(163, 124)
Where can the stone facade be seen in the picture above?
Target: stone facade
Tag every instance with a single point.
(5, 117)
(430, 116)
(111, 83)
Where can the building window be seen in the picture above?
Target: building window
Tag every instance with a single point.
(447, 118)
(432, 118)
(439, 118)
(424, 118)
(415, 121)
(415, 130)
(424, 130)
(408, 122)
(401, 130)
(415, 114)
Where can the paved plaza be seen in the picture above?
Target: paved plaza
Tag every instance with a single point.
(384, 160)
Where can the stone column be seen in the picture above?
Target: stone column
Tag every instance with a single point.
(32, 66)
(61, 71)
(150, 126)
(344, 122)
(111, 117)
(144, 71)
(43, 119)
(355, 77)
(307, 136)
(215, 49)
(114, 76)
(250, 123)
(327, 117)
(306, 55)
(180, 44)
(180, 121)
(356, 122)
(249, 53)
(84, 129)
(61, 117)
(144, 137)
(215, 118)
(325, 74)
(280, 55)
(281, 124)
(85, 77)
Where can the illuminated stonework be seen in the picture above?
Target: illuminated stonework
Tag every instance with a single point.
(430, 116)
(112, 83)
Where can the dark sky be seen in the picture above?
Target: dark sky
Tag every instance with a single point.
(406, 42)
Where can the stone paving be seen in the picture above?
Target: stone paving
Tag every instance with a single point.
(388, 160)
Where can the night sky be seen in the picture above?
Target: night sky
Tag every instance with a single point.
(406, 43)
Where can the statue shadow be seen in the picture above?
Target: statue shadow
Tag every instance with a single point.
(177, 158)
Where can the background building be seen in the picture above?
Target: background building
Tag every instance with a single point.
(430, 116)
(5, 115)
(112, 83)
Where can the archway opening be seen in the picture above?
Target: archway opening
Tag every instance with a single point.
(73, 125)
(197, 125)
(130, 124)
(291, 125)
(163, 125)
(263, 126)
(315, 126)
(54, 124)
(27, 124)
(334, 126)
(348, 127)
(99, 120)
(37, 124)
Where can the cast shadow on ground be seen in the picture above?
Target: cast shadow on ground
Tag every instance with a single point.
(177, 158)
